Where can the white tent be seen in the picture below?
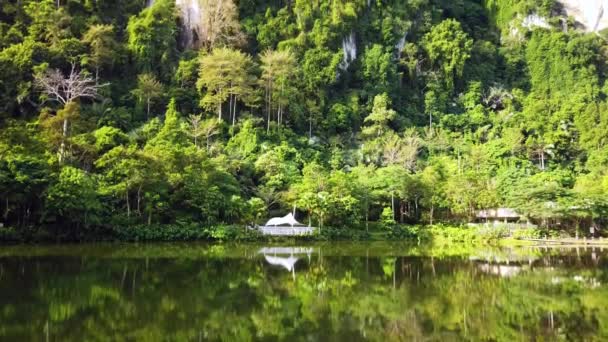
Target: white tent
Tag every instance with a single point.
(285, 220)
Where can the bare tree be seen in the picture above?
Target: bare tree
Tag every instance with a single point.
(65, 90)
(219, 24)
(196, 129)
(542, 150)
(209, 128)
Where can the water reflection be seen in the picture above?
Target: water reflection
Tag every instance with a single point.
(285, 257)
(378, 292)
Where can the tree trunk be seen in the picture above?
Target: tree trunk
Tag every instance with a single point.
(230, 99)
(6, 211)
(542, 160)
(138, 200)
(234, 112)
(431, 214)
(148, 109)
(268, 123)
(268, 108)
(127, 198)
(393, 205)
(219, 112)
(310, 126)
(63, 139)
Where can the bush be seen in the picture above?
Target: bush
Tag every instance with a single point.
(407, 232)
(184, 232)
(330, 233)
(8, 234)
(445, 235)
(492, 235)
(156, 232)
(527, 233)
(234, 233)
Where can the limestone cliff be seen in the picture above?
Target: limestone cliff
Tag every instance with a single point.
(591, 14)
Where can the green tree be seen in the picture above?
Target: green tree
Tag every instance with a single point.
(73, 198)
(225, 75)
(278, 70)
(378, 70)
(148, 89)
(448, 47)
(152, 37)
(377, 128)
(101, 40)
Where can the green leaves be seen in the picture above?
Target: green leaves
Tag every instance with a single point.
(73, 198)
(449, 48)
(433, 108)
(152, 37)
(225, 74)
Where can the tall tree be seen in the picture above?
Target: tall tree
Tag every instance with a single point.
(66, 90)
(377, 129)
(225, 74)
(278, 69)
(101, 40)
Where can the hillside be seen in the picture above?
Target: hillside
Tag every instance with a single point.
(212, 112)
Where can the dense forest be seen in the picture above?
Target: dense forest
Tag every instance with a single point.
(209, 112)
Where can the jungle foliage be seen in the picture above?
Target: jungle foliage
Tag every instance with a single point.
(353, 111)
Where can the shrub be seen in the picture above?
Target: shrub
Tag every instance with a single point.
(331, 233)
(493, 234)
(527, 233)
(8, 234)
(184, 232)
(407, 232)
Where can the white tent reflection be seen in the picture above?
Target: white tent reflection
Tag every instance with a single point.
(285, 257)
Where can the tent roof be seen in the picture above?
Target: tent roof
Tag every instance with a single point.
(287, 219)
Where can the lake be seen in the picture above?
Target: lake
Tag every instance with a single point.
(300, 292)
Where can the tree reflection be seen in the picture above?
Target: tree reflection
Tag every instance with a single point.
(341, 293)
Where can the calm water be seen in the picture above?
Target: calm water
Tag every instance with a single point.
(315, 292)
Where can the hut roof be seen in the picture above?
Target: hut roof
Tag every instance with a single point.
(498, 213)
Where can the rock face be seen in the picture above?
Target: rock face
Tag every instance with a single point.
(349, 48)
(190, 17)
(592, 14)
(190, 14)
(534, 20)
